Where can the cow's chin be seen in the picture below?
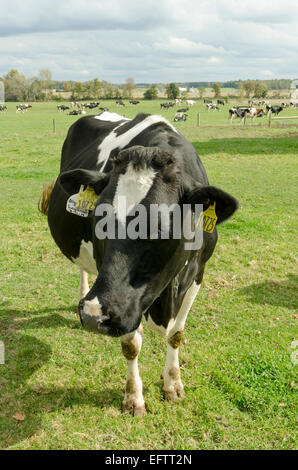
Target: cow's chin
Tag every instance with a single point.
(93, 319)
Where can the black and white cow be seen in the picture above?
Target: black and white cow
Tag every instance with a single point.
(221, 102)
(3, 107)
(154, 280)
(22, 107)
(180, 117)
(274, 109)
(62, 107)
(238, 112)
(212, 106)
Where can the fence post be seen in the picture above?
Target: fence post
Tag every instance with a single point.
(270, 115)
(54, 126)
(244, 119)
(198, 120)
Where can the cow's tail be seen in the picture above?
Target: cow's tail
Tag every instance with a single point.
(44, 200)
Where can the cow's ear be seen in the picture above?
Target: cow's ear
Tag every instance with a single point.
(225, 204)
(72, 180)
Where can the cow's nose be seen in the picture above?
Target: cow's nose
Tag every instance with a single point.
(91, 314)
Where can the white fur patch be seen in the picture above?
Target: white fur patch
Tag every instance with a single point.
(161, 330)
(85, 259)
(188, 300)
(112, 117)
(132, 187)
(112, 141)
(92, 307)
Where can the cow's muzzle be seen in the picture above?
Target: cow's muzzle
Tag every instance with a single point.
(91, 316)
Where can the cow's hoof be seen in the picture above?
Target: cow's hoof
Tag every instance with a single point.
(135, 410)
(175, 394)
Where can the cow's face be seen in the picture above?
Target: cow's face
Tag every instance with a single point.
(133, 270)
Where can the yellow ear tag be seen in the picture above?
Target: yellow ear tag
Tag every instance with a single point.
(86, 199)
(209, 218)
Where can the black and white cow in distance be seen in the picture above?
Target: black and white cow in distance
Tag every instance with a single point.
(274, 109)
(146, 160)
(238, 112)
(180, 117)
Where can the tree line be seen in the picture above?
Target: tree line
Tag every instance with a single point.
(20, 88)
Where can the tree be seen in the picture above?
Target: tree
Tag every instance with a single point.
(201, 91)
(172, 91)
(151, 93)
(15, 85)
(260, 90)
(249, 87)
(77, 90)
(241, 90)
(128, 88)
(216, 90)
(45, 77)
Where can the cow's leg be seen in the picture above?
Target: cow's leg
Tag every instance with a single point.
(133, 400)
(172, 385)
(84, 286)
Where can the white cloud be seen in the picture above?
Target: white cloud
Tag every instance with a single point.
(161, 40)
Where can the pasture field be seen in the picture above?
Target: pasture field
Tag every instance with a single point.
(62, 387)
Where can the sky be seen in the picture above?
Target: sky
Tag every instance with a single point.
(157, 41)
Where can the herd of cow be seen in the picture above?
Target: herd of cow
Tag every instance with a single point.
(242, 112)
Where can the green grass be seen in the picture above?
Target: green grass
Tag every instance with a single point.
(236, 367)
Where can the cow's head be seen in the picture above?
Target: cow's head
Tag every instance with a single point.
(133, 271)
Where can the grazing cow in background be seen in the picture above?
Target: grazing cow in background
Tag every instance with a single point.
(180, 117)
(221, 102)
(62, 107)
(190, 102)
(253, 113)
(104, 109)
(167, 105)
(238, 112)
(120, 103)
(3, 107)
(76, 112)
(91, 105)
(134, 101)
(146, 162)
(22, 107)
(274, 109)
(207, 101)
(212, 106)
(182, 110)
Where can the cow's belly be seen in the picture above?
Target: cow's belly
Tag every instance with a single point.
(85, 260)
(163, 331)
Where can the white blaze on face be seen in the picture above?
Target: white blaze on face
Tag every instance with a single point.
(112, 141)
(132, 188)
